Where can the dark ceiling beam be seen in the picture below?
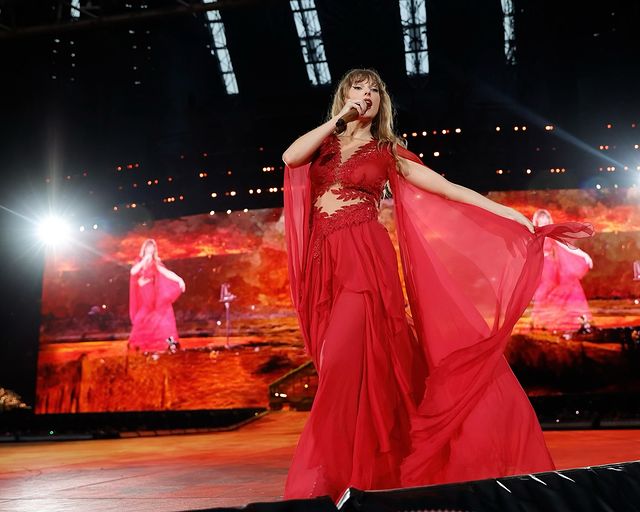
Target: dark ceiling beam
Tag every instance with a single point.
(182, 9)
(81, 10)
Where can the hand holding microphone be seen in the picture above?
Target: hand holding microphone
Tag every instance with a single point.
(357, 108)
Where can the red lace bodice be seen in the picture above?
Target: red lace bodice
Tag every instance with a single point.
(346, 192)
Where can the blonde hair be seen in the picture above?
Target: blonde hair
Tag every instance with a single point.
(382, 124)
(540, 213)
(149, 241)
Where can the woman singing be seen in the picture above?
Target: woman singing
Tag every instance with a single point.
(152, 291)
(397, 406)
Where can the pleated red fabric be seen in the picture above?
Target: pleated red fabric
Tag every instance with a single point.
(394, 409)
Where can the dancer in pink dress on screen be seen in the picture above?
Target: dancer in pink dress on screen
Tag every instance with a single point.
(395, 406)
(559, 303)
(152, 291)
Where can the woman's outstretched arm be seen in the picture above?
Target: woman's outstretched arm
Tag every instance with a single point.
(423, 177)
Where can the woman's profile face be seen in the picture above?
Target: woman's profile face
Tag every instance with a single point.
(366, 90)
(149, 249)
(543, 219)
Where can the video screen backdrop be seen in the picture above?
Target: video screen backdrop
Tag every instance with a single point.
(86, 363)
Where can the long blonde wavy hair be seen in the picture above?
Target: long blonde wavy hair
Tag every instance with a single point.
(143, 247)
(382, 124)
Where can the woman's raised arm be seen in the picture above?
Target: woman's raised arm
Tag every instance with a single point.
(303, 148)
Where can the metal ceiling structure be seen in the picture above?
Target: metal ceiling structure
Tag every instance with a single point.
(163, 82)
(65, 16)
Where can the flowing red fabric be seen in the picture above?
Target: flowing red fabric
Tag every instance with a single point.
(560, 302)
(297, 212)
(151, 309)
(348, 296)
(469, 276)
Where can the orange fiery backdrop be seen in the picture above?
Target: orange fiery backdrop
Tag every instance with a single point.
(84, 364)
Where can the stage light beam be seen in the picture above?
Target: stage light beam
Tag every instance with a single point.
(53, 231)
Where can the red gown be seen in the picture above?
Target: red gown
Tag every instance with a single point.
(151, 309)
(559, 301)
(397, 405)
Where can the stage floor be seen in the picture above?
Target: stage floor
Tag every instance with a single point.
(186, 472)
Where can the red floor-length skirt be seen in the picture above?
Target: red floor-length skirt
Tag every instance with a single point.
(394, 410)
(371, 379)
(370, 368)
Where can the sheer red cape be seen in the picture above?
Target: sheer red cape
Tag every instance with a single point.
(469, 276)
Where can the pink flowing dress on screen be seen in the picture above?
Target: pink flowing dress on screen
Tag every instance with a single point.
(560, 302)
(151, 298)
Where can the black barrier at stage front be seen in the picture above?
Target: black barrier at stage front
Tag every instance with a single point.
(323, 504)
(610, 488)
(607, 488)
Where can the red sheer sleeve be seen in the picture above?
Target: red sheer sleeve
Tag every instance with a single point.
(297, 211)
(469, 276)
(133, 295)
(167, 290)
(570, 264)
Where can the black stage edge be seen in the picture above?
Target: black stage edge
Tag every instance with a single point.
(611, 488)
(608, 488)
(323, 504)
(24, 425)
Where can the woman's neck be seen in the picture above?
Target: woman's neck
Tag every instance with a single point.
(359, 130)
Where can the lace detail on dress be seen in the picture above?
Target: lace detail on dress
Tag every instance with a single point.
(349, 215)
(346, 192)
(336, 171)
(345, 168)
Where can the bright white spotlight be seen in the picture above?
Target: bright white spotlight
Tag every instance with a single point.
(53, 231)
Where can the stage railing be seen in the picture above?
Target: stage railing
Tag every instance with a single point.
(295, 389)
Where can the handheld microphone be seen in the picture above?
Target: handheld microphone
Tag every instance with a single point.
(351, 115)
